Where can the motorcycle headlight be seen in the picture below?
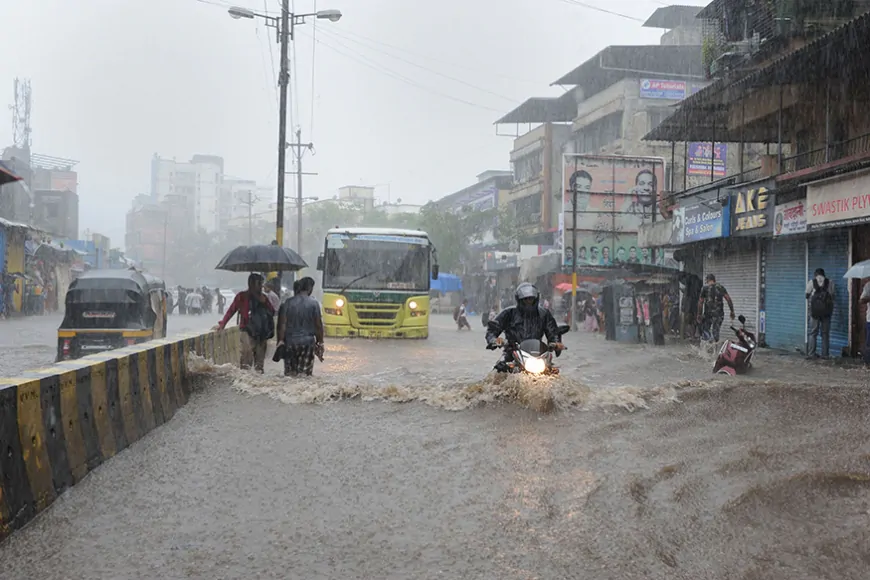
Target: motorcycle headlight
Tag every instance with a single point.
(412, 305)
(535, 365)
(339, 302)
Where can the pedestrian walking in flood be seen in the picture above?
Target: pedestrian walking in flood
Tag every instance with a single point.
(820, 293)
(256, 321)
(460, 315)
(221, 301)
(711, 304)
(300, 330)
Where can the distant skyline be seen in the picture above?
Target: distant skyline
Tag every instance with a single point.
(400, 94)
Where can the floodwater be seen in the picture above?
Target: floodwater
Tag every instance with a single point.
(30, 342)
(405, 459)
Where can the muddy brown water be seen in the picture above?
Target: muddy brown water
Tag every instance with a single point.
(406, 460)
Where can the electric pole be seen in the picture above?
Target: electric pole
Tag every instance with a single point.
(252, 199)
(284, 34)
(299, 148)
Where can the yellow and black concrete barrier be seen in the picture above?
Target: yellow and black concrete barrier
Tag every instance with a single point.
(59, 423)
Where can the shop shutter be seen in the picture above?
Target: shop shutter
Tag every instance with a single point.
(831, 252)
(738, 272)
(785, 300)
(2, 250)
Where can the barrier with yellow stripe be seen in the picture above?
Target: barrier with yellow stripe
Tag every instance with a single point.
(59, 423)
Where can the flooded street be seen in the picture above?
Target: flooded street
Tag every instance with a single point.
(29, 343)
(415, 464)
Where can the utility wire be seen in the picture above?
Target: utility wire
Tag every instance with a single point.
(439, 60)
(603, 10)
(334, 34)
(385, 71)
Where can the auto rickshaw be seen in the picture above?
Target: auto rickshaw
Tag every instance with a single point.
(108, 309)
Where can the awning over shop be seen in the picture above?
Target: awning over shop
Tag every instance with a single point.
(446, 283)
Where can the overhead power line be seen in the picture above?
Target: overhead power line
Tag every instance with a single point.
(334, 34)
(359, 59)
(602, 10)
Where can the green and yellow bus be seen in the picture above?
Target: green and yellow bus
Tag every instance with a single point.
(376, 282)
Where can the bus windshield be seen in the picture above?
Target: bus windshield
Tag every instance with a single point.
(383, 265)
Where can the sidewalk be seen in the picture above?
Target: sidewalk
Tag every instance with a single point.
(611, 363)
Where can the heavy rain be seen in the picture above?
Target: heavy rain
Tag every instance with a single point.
(530, 290)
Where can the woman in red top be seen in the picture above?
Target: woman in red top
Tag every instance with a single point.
(251, 302)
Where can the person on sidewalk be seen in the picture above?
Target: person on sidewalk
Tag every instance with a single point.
(820, 293)
(300, 330)
(256, 321)
(711, 305)
(865, 300)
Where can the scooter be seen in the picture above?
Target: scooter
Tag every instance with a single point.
(736, 357)
(531, 356)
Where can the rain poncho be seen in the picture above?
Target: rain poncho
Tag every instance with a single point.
(519, 326)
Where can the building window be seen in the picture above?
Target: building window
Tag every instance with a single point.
(527, 210)
(656, 117)
(599, 134)
(528, 168)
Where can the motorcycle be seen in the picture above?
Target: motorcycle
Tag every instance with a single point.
(530, 356)
(736, 357)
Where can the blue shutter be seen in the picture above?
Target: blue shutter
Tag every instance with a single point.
(2, 250)
(831, 252)
(785, 294)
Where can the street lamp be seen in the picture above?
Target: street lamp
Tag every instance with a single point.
(283, 26)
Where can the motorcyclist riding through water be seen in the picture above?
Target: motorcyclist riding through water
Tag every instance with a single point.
(527, 320)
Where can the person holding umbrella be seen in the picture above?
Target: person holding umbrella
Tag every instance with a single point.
(256, 321)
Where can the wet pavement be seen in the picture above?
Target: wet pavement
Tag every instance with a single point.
(413, 463)
(30, 342)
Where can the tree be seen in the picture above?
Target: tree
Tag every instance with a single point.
(454, 233)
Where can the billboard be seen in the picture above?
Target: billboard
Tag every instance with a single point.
(702, 155)
(662, 89)
(838, 202)
(615, 195)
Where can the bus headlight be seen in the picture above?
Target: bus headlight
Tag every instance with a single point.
(339, 303)
(412, 305)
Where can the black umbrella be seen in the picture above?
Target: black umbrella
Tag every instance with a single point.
(6, 174)
(271, 258)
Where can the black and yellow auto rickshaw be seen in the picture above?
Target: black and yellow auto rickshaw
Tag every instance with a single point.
(108, 309)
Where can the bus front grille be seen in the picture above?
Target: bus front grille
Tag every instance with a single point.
(376, 315)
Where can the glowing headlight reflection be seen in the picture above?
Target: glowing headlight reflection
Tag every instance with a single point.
(339, 303)
(535, 365)
(412, 305)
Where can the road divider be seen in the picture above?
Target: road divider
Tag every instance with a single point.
(59, 423)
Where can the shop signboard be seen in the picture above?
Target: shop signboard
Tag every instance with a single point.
(790, 218)
(752, 209)
(702, 221)
(838, 203)
(662, 89)
(702, 155)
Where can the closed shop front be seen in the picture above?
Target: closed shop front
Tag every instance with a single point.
(736, 268)
(831, 252)
(2, 250)
(834, 207)
(785, 301)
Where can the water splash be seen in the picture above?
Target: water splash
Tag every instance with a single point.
(543, 394)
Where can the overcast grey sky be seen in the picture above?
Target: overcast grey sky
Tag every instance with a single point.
(115, 81)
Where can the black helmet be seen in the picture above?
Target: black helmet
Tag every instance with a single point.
(527, 297)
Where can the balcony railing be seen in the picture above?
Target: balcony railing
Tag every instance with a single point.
(829, 154)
